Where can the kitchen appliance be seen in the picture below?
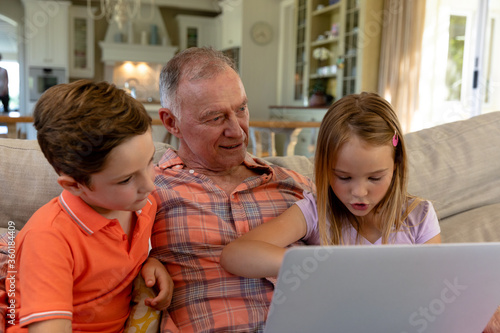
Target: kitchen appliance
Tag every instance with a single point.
(42, 78)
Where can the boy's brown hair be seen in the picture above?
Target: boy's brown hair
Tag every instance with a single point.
(79, 123)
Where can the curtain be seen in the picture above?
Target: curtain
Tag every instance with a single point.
(400, 54)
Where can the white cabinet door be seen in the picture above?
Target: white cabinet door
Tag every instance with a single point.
(198, 31)
(81, 43)
(46, 33)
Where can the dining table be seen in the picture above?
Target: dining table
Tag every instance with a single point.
(11, 119)
(289, 128)
(271, 127)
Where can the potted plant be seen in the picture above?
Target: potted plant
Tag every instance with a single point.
(317, 93)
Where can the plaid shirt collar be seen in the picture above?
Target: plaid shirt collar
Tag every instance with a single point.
(170, 160)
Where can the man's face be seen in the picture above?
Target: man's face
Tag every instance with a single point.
(214, 122)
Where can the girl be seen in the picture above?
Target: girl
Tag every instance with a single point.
(361, 179)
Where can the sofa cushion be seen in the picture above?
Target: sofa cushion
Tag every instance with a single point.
(28, 181)
(142, 318)
(456, 165)
(300, 164)
(477, 225)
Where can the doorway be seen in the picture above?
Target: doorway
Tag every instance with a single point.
(9, 52)
(459, 78)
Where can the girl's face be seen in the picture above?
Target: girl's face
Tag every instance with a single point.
(362, 175)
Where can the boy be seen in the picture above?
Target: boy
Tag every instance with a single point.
(78, 255)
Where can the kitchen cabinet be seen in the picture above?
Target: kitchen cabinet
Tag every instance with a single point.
(47, 33)
(81, 43)
(198, 31)
(342, 45)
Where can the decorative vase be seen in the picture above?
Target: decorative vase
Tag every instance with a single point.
(153, 40)
(317, 99)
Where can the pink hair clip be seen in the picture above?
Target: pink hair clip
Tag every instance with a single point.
(395, 139)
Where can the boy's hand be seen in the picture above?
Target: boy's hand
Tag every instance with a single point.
(155, 274)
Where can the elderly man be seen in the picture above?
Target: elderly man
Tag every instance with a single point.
(211, 191)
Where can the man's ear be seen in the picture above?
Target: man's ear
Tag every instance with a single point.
(70, 184)
(170, 122)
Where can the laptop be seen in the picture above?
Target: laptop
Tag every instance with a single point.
(440, 288)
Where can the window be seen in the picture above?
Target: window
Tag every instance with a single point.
(451, 86)
(12, 68)
(455, 64)
(488, 61)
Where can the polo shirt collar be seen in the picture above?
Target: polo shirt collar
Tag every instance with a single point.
(87, 219)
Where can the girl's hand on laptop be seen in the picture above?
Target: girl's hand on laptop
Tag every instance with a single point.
(155, 275)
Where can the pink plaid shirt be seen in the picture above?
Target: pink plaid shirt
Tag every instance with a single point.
(195, 220)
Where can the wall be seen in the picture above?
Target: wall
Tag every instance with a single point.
(169, 13)
(259, 63)
(12, 15)
(14, 11)
(230, 22)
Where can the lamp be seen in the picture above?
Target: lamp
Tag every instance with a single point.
(119, 11)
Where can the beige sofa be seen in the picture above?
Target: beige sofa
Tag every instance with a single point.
(455, 165)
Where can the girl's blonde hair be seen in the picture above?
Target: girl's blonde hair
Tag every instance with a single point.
(373, 120)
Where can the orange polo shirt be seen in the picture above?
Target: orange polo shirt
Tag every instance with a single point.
(72, 263)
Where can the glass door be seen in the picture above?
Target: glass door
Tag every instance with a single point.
(81, 55)
(350, 47)
(459, 78)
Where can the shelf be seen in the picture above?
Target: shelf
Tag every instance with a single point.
(113, 52)
(344, 20)
(327, 9)
(321, 76)
(351, 10)
(352, 32)
(325, 41)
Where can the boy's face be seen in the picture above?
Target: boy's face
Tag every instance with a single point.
(126, 180)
